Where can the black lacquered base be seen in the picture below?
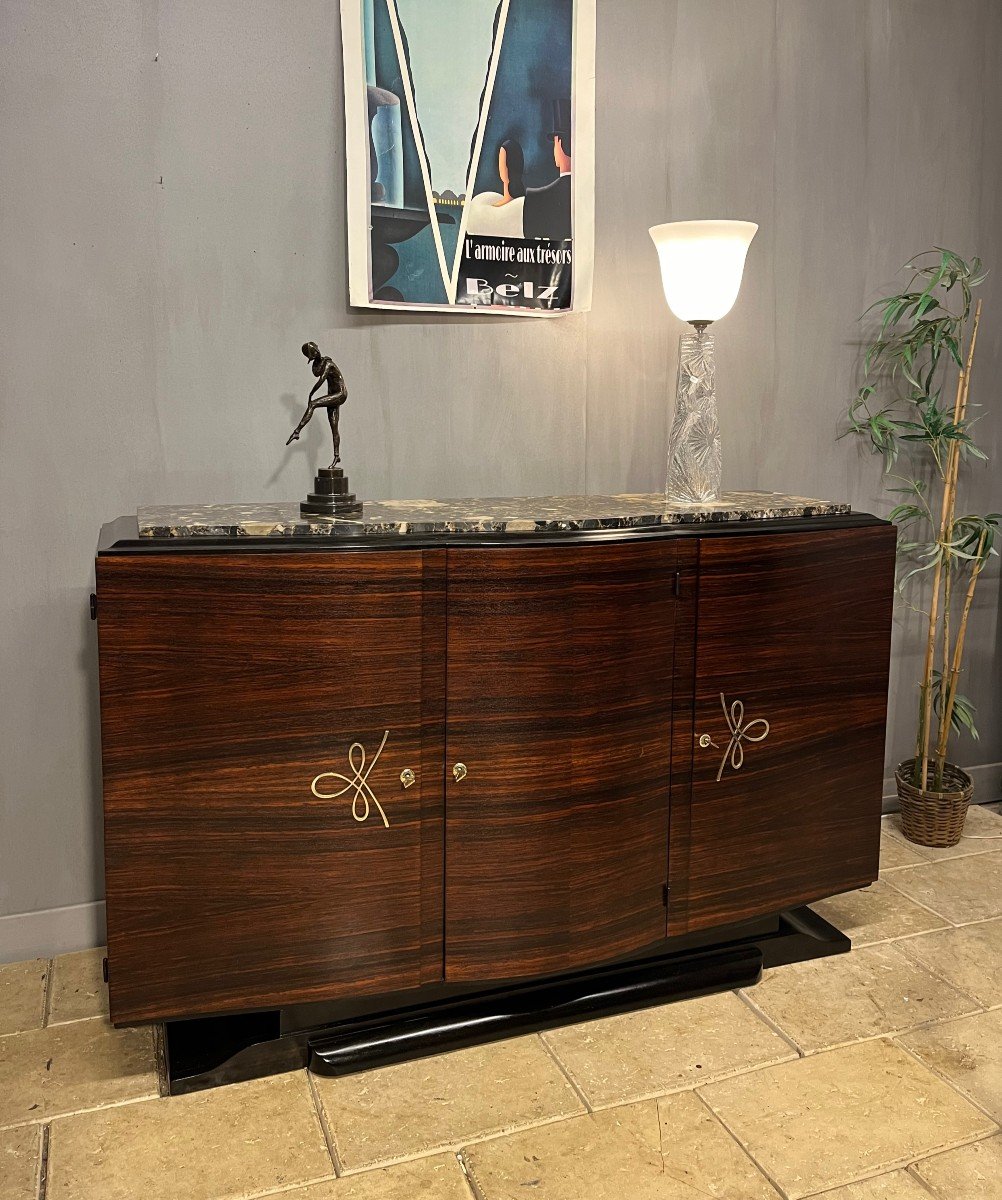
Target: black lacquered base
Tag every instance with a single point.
(330, 497)
(209, 1051)
(402, 1036)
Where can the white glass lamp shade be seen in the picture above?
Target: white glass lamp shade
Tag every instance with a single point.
(701, 265)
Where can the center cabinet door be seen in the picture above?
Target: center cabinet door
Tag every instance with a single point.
(559, 708)
(258, 713)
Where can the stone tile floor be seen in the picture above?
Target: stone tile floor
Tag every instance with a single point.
(870, 1076)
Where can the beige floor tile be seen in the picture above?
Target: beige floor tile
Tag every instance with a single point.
(668, 1149)
(969, 1053)
(971, 1172)
(969, 957)
(836, 1118)
(604, 1156)
(894, 851)
(960, 889)
(431, 1104)
(866, 993)
(77, 989)
(20, 1150)
(665, 1049)
(700, 1156)
(22, 995)
(899, 1185)
(981, 822)
(220, 1144)
(876, 914)
(68, 1068)
(438, 1178)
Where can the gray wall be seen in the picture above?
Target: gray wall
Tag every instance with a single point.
(173, 196)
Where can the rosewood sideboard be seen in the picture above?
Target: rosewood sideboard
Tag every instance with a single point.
(378, 787)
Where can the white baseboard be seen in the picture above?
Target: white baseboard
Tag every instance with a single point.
(51, 931)
(987, 786)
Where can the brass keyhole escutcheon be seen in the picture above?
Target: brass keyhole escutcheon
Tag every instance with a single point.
(706, 741)
(407, 777)
(459, 772)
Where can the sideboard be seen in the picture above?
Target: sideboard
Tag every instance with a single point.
(381, 787)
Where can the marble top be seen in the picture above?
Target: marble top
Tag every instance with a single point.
(517, 515)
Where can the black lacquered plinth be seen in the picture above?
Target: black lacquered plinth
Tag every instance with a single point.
(210, 1051)
(398, 1037)
(330, 497)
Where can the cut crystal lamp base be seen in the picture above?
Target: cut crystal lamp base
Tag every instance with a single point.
(694, 445)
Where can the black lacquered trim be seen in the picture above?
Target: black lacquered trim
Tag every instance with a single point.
(381, 1042)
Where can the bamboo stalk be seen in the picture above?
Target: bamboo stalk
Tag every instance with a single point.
(925, 718)
(960, 406)
(958, 654)
(950, 490)
(945, 669)
(926, 689)
(945, 536)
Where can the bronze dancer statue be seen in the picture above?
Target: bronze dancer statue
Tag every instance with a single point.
(326, 371)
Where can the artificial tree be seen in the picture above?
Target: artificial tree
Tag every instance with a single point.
(921, 421)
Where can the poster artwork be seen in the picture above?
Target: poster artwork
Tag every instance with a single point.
(470, 138)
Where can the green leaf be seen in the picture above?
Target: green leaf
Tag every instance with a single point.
(914, 571)
(906, 513)
(963, 714)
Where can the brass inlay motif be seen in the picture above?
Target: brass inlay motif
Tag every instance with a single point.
(407, 777)
(363, 795)
(459, 772)
(735, 716)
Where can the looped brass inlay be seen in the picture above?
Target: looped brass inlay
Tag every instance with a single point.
(363, 796)
(740, 732)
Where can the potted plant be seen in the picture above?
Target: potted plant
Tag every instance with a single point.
(915, 410)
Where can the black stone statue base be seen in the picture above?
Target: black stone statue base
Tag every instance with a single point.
(330, 497)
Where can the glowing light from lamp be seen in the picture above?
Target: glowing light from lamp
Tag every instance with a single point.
(701, 265)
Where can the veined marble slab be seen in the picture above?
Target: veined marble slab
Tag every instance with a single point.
(520, 514)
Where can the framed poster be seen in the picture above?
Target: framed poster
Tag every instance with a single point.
(470, 154)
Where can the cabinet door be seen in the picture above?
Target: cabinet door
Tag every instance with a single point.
(793, 640)
(558, 706)
(257, 712)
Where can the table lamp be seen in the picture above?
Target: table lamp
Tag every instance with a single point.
(701, 267)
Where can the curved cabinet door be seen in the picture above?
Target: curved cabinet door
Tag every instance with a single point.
(236, 878)
(559, 709)
(792, 647)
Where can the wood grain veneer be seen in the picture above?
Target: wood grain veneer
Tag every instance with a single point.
(228, 683)
(559, 703)
(797, 627)
(574, 681)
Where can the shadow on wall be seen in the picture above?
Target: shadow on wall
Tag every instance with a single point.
(311, 447)
(87, 661)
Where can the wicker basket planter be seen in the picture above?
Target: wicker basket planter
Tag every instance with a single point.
(934, 818)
